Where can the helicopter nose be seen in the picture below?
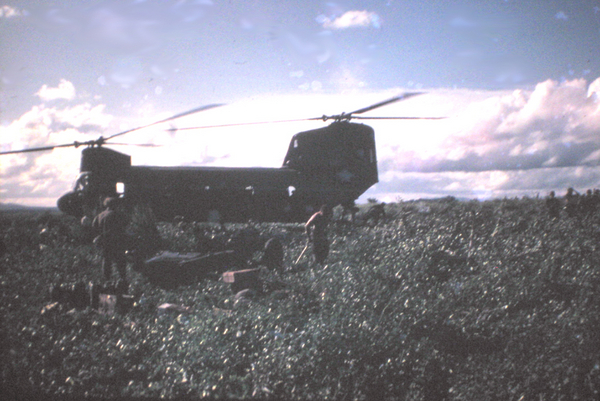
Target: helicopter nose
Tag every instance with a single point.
(70, 203)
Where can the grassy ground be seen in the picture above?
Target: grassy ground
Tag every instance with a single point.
(443, 300)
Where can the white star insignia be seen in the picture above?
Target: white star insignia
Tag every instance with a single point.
(345, 176)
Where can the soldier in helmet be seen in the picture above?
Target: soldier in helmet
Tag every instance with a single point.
(376, 213)
(595, 199)
(572, 202)
(349, 209)
(111, 225)
(553, 205)
(586, 204)
(316, 231)
(273, 255)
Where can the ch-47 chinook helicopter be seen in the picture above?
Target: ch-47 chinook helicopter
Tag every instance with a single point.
(332, 165)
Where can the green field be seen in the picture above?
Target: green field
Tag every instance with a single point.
(444, 300)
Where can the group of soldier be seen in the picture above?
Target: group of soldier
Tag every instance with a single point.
(574, 204)
(110, 228)
(374, 214)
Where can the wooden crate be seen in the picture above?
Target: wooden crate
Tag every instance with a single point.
(242, 279)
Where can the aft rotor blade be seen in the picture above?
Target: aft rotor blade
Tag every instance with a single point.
(386, 102)
(149, 145)
(187, 113)
(398, 118)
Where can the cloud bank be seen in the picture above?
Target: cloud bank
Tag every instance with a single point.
(520, 143)
(555, 125)
(493, 144)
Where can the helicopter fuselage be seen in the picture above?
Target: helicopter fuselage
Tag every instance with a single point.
(331, 165)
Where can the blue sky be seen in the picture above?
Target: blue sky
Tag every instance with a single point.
(516, 79)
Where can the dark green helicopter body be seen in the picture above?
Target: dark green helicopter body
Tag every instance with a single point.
(331, 165)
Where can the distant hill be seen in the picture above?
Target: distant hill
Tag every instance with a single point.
(14, 207)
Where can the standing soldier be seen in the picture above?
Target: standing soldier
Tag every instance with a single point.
(376, 213)
(553, 205)
(273, 255)
(571, 202)
(111, 225)
(349, 209)
(586, 204)
(316, 230)
(595, 199)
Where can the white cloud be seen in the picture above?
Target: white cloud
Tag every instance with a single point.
(594, 90)
(39, 178)
(351, 19)
(64, 90)
(11, 12)
(561, 15)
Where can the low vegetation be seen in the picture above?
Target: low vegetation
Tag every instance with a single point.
(443, 300)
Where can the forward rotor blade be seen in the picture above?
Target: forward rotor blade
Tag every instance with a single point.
(241, 124)
(187, 113)
(41, 149)
(386, 102)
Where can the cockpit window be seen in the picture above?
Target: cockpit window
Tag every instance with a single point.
(82, 182)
